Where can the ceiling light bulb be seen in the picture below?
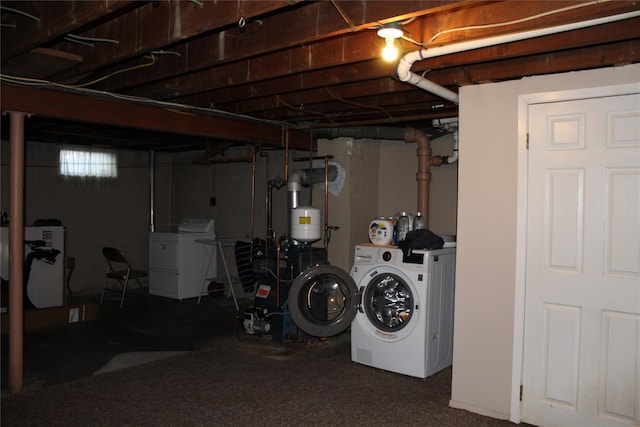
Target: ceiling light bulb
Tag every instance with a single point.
(390, 32)
(389, 53)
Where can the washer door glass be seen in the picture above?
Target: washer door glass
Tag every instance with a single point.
(323, 300)
(388, 302)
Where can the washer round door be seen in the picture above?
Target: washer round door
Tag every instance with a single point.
(389, 302)
(323, 300)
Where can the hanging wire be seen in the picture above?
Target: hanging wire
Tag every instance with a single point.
(72, 40)
(344, 16)
(19, 12)
(124, 70)
(90, 39)
(317, 113)
(26, 80)
(162, 52)
(515, 21)
(357, 104)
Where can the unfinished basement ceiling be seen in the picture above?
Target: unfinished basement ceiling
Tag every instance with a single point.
(249, 70)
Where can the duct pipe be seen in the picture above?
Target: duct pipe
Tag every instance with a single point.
(16, 252)
(404, 66)
(423, 176)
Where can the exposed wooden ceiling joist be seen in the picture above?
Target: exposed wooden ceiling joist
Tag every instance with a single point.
(300, 64)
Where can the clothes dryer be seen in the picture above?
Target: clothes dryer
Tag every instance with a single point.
(400, 309)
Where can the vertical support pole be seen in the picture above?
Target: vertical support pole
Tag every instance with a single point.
(326, 206)
(253, 196)
(16, 252)
(152, 191)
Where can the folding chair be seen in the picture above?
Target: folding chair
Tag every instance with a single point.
(118, 268)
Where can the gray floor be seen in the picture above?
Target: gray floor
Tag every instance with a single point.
(145, 329)
(218, 362)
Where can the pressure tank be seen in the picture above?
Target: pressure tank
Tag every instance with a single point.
(305, 224)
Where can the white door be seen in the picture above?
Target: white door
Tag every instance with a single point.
(581, 364)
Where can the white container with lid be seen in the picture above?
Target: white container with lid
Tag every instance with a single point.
(381, 231)
(306, 224)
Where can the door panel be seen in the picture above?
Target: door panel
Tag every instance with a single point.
(581, 361)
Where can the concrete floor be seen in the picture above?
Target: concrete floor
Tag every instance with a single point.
(145, 329)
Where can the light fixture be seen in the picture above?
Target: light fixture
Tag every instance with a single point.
(390, 32)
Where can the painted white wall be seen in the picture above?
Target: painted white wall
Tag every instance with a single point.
(486, 255)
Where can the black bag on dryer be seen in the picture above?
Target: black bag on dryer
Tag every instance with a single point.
(420, 239)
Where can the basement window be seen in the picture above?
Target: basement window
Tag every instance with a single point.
(88, 163)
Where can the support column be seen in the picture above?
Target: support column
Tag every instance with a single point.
(16, 252)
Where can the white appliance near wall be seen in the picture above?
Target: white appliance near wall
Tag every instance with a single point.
(406, 323)
(180, 264)
(399, 308)
(45, 251)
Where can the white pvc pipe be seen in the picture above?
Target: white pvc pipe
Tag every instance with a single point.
(449, 124)
(454, 158)
(404, 66)
(444, 121)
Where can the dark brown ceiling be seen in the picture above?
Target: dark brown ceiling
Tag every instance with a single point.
(254, 69)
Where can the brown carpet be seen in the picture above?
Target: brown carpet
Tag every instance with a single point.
(241, 382)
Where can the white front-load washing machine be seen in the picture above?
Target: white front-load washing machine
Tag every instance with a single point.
(400, 309)
(405, 321)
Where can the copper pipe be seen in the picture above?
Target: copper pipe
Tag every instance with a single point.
(266, 202)
(326, 204)
(253, 194)
(278, 272)
(16, 253)
(286, 157)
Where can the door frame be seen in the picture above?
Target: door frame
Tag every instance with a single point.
(524, 101)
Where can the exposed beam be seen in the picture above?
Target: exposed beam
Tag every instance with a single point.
(89, 109)
(157, 25)
(444, 70)
(619, 53)
(295, 28)
(343, 52)
(56, 18)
